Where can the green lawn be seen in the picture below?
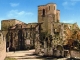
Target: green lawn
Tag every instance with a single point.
(8, 58)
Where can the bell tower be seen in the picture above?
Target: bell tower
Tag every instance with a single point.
(48, 14)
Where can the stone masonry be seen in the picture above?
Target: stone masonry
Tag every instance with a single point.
(2, 47)
(49, 33)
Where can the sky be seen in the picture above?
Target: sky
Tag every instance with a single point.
(27, 10)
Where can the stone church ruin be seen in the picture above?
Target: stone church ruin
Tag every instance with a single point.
(49, 36)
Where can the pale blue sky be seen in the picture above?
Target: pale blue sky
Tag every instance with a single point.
(27, 10)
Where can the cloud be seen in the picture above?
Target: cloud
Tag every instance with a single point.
(69, 4)
(68, 21)
(72, 0)
(1, 18)
(75, 0)
(65, 3)
(17, 13)
(14, 4)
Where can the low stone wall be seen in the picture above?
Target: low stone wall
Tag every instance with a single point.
(2, 50)
(75, 54)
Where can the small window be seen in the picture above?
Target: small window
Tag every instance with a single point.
(43, 12)
(54, 7)
(0, 34)
(49, 7)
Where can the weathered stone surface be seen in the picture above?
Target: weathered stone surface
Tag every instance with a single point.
(2, 47)
(20, 35)
(17, 36)
(48, 14)
(75, 54)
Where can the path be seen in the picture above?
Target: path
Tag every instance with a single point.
(29, 55)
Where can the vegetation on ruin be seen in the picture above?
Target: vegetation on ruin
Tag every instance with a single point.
(9, 58)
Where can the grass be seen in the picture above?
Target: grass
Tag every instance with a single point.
(9, 58)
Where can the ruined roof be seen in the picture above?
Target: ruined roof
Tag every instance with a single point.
(32, 24)
(28, 26)
(13, 20)
(13, 27)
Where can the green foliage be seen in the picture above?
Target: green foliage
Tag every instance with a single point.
(43, 35)
(8, 58)
(7, 37)
(4, 28)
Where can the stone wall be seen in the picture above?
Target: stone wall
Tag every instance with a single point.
(75, 54)
(2, 50)
(2, 47)
(5, 24)
(18, 37)
(47, 14)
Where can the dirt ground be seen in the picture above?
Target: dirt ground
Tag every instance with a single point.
(29, 55)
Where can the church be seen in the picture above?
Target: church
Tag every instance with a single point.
(47, 33)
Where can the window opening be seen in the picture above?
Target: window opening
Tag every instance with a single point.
(43, 12)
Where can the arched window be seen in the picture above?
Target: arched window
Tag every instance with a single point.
(49, 7)
(43, 12)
